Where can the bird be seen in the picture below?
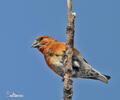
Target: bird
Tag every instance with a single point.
(54, 54)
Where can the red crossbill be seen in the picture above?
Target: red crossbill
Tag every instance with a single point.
(54, 53)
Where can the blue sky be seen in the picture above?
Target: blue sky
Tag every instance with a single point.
(97, 36)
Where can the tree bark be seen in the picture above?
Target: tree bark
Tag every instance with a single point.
(68, 88)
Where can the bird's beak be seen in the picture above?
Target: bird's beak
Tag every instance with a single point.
(35, 44)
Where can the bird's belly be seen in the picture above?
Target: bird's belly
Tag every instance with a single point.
(56, 64)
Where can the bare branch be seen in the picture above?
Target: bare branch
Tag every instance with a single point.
(68, 89)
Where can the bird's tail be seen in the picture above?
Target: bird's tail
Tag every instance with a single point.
(103, 78)
(108, 77)
(88, 72)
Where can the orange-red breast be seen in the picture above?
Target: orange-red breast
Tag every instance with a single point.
(54, 52)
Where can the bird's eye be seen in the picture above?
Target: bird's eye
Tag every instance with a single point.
(40, 39)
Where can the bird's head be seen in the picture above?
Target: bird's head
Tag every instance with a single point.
(43, 41)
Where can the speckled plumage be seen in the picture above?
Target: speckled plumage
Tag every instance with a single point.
(54, 51)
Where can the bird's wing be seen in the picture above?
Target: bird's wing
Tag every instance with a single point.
(81, 69)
